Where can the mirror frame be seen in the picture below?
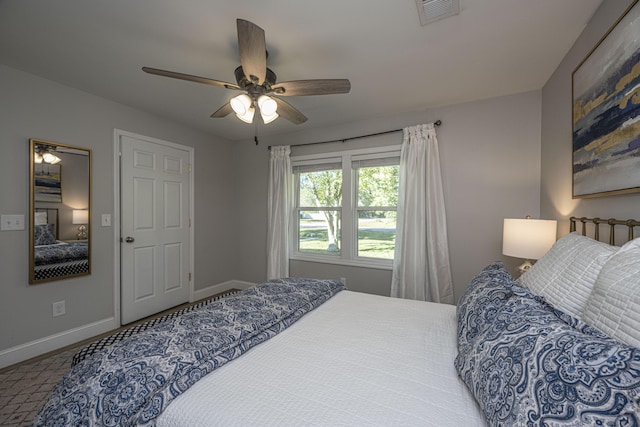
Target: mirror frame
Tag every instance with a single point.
(55, 205)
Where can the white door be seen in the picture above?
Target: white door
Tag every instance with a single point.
(155, 220)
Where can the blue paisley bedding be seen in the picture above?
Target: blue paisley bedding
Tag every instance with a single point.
(528, 364)
(61, 252)
(131, 382)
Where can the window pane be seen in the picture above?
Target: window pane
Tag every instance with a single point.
(376, 234)
(319, 232)
(321, 188)
(378, 186)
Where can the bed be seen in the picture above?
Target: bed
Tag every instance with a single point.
(558, 346)
(52, 257)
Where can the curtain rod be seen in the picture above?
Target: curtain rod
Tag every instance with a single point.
(436, 123)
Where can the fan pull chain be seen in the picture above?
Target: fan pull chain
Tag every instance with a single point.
(255, 133)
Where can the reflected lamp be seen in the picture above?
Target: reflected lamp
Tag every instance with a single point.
(80, 217)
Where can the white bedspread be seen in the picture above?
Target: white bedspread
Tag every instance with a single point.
(357, 360)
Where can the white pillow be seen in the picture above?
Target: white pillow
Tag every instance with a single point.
(565, 275)
(39, 218)
(614, 304)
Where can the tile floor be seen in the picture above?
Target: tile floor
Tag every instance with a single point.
(25, 388)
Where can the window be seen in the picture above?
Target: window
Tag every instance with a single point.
(376, 187)
(319, 208)
(346, 207)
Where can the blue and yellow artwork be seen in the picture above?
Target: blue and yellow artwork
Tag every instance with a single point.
(606, 113)
(47, 183)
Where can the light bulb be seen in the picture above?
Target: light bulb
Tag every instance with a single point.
(52, 159)
(241, 104)
(267, 105)
(268, 118)
(247, 117)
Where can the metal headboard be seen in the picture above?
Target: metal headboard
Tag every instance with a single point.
(612, 222)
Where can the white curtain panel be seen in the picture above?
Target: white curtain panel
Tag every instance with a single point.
(421, 267)
(280, 188)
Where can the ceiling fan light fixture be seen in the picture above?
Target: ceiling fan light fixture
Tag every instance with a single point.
(52, 159)
(268, 106)
(241, 104)
(247, 117)
(37, 157)
(255, 79)
(268, 118)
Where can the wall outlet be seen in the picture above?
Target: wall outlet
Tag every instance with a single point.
(58, 308)
(343, 280)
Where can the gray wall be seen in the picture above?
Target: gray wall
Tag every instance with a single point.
(32, 107)
(490, 158)
(555, 192)
(503, 157)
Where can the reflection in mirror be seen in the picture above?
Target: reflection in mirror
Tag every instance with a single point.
(60, 211)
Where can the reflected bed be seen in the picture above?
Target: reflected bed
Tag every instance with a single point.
(53, 258)
(60, 259)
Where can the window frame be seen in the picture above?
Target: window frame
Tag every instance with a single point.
(348, 211)
(369, 161)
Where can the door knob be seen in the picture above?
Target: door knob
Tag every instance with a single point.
(129, 239)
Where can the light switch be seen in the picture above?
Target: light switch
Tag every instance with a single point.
(106, 220)
(11, 222)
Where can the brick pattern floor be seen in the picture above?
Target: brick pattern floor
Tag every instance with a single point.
(25, 388)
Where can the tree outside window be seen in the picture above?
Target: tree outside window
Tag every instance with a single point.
(377, 189)
(320, 203)
(347, 208)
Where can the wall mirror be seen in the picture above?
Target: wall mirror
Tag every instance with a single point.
(60, 211)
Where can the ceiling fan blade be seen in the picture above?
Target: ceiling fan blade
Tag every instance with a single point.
(289, 112)
(312, 87)
(253, 51)
(223, 111)
(190, 78)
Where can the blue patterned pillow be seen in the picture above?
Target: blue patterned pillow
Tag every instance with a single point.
(532, 365)
(44, 235)
(479, 304)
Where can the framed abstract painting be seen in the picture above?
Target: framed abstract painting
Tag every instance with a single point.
(606, 112)
(47, 183)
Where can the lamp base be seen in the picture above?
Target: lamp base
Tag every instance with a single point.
(82, 233)
(525, 266)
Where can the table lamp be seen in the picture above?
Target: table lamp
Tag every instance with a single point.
(81, 217)
(527, 238)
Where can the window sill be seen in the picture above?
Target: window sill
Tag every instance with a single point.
(378, 265)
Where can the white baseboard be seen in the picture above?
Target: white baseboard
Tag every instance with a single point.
(221, 287)
(44, 345)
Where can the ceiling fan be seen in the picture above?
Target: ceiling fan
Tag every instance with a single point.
(258, 83)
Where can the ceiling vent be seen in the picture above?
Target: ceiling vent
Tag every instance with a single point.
(434, 10)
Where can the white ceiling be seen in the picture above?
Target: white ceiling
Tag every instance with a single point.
(492, 48)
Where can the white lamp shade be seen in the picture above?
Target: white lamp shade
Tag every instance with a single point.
(267, 106)
(51, 158)
(528, 238)
(80, 216)
(248, 116)
(268, 118)
(241, 104)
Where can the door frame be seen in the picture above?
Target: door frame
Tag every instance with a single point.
(115, 217)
